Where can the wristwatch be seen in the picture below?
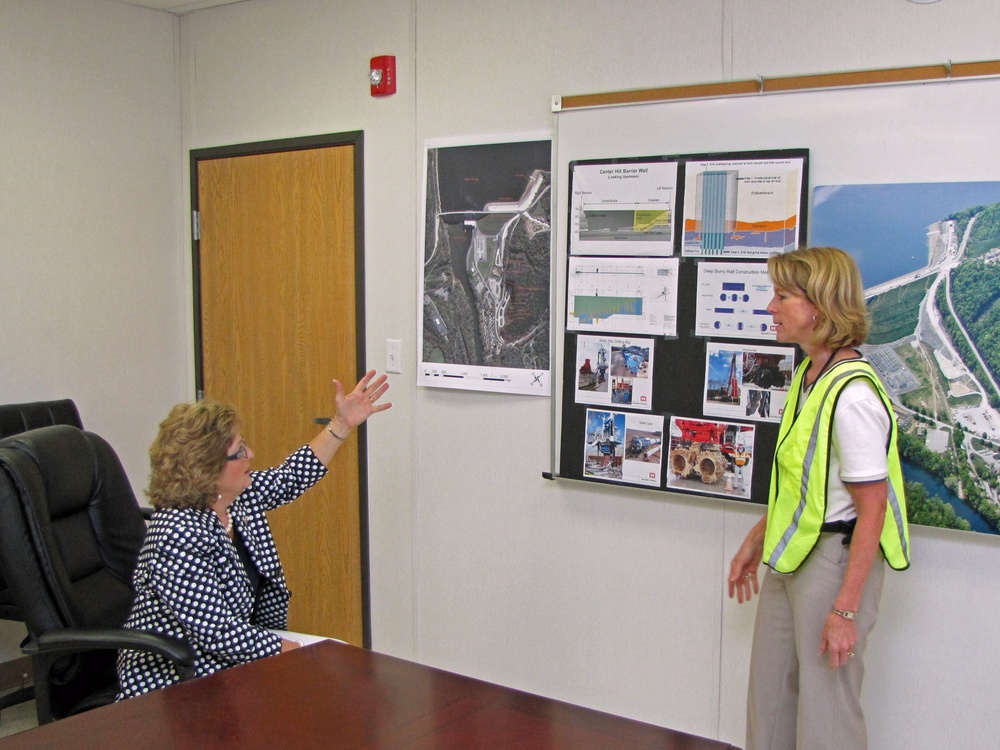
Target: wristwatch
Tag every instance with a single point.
(845, 613)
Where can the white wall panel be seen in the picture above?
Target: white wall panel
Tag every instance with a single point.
(92, 288)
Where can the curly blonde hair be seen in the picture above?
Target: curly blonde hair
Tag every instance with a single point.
(829, 278)
(189, 453)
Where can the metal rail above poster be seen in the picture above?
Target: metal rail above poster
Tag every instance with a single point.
(877, 77)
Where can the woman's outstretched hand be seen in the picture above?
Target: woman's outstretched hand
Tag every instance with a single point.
(355, 407)
(352, 409)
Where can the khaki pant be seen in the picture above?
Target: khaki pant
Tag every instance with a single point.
(795, 701)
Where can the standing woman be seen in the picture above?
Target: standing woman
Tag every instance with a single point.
(208, 570)
(835, 510)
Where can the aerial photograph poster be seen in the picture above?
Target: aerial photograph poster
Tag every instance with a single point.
(485, 265)
(929, 255)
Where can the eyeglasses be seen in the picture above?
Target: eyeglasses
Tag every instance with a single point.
(242, 452)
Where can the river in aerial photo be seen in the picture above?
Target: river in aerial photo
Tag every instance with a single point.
(885, 226)
(936, 488)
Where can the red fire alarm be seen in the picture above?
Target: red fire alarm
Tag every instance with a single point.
(383, 75)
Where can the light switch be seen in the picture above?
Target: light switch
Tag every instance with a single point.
(393, 355)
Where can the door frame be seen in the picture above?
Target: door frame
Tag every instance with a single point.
(351, 138)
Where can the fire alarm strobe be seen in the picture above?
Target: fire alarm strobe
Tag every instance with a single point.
(382, 75)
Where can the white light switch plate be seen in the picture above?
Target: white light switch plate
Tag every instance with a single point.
(393, 355)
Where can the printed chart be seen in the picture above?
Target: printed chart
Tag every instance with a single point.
(742, 208)
(622, 295)
(733, 299)
(623, 208)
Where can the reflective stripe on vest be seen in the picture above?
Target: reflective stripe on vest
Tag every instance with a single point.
(786, 548)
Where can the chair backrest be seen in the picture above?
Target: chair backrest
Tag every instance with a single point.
(70, 530)
(70, 534)
(17, 418)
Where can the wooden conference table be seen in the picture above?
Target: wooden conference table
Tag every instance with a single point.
(331, 695)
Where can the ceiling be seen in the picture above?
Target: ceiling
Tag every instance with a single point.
(186, 6)
(177, 6)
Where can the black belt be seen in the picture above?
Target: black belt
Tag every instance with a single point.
(840, 527)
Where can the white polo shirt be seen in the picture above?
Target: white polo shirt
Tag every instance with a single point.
(860, 433)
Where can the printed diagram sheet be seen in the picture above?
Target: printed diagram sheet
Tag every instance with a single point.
(742, 208)
(747, 382)
(622, 295)
(733, 300)
(622, 447)
(614, 371)
(623, 208)
(711, 458)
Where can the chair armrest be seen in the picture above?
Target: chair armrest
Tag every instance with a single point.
(180, 652)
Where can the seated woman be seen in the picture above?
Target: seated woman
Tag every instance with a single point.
(208, 570)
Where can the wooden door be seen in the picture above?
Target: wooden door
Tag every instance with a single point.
(276, 286)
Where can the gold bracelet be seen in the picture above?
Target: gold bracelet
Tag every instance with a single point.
(845, 613)
(329, 428)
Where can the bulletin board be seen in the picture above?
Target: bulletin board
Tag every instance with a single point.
(671, 377)
(913, 126)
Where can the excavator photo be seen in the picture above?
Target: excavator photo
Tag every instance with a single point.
(702, 451)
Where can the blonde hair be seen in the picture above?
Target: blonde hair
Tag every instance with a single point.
(829, 278)
(189, 453)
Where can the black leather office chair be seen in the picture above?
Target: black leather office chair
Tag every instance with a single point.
(14, 419)
(70, 533)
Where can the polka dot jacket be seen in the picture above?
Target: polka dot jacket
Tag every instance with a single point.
(190, 582)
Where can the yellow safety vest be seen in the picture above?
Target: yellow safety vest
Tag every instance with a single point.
(796, 506)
